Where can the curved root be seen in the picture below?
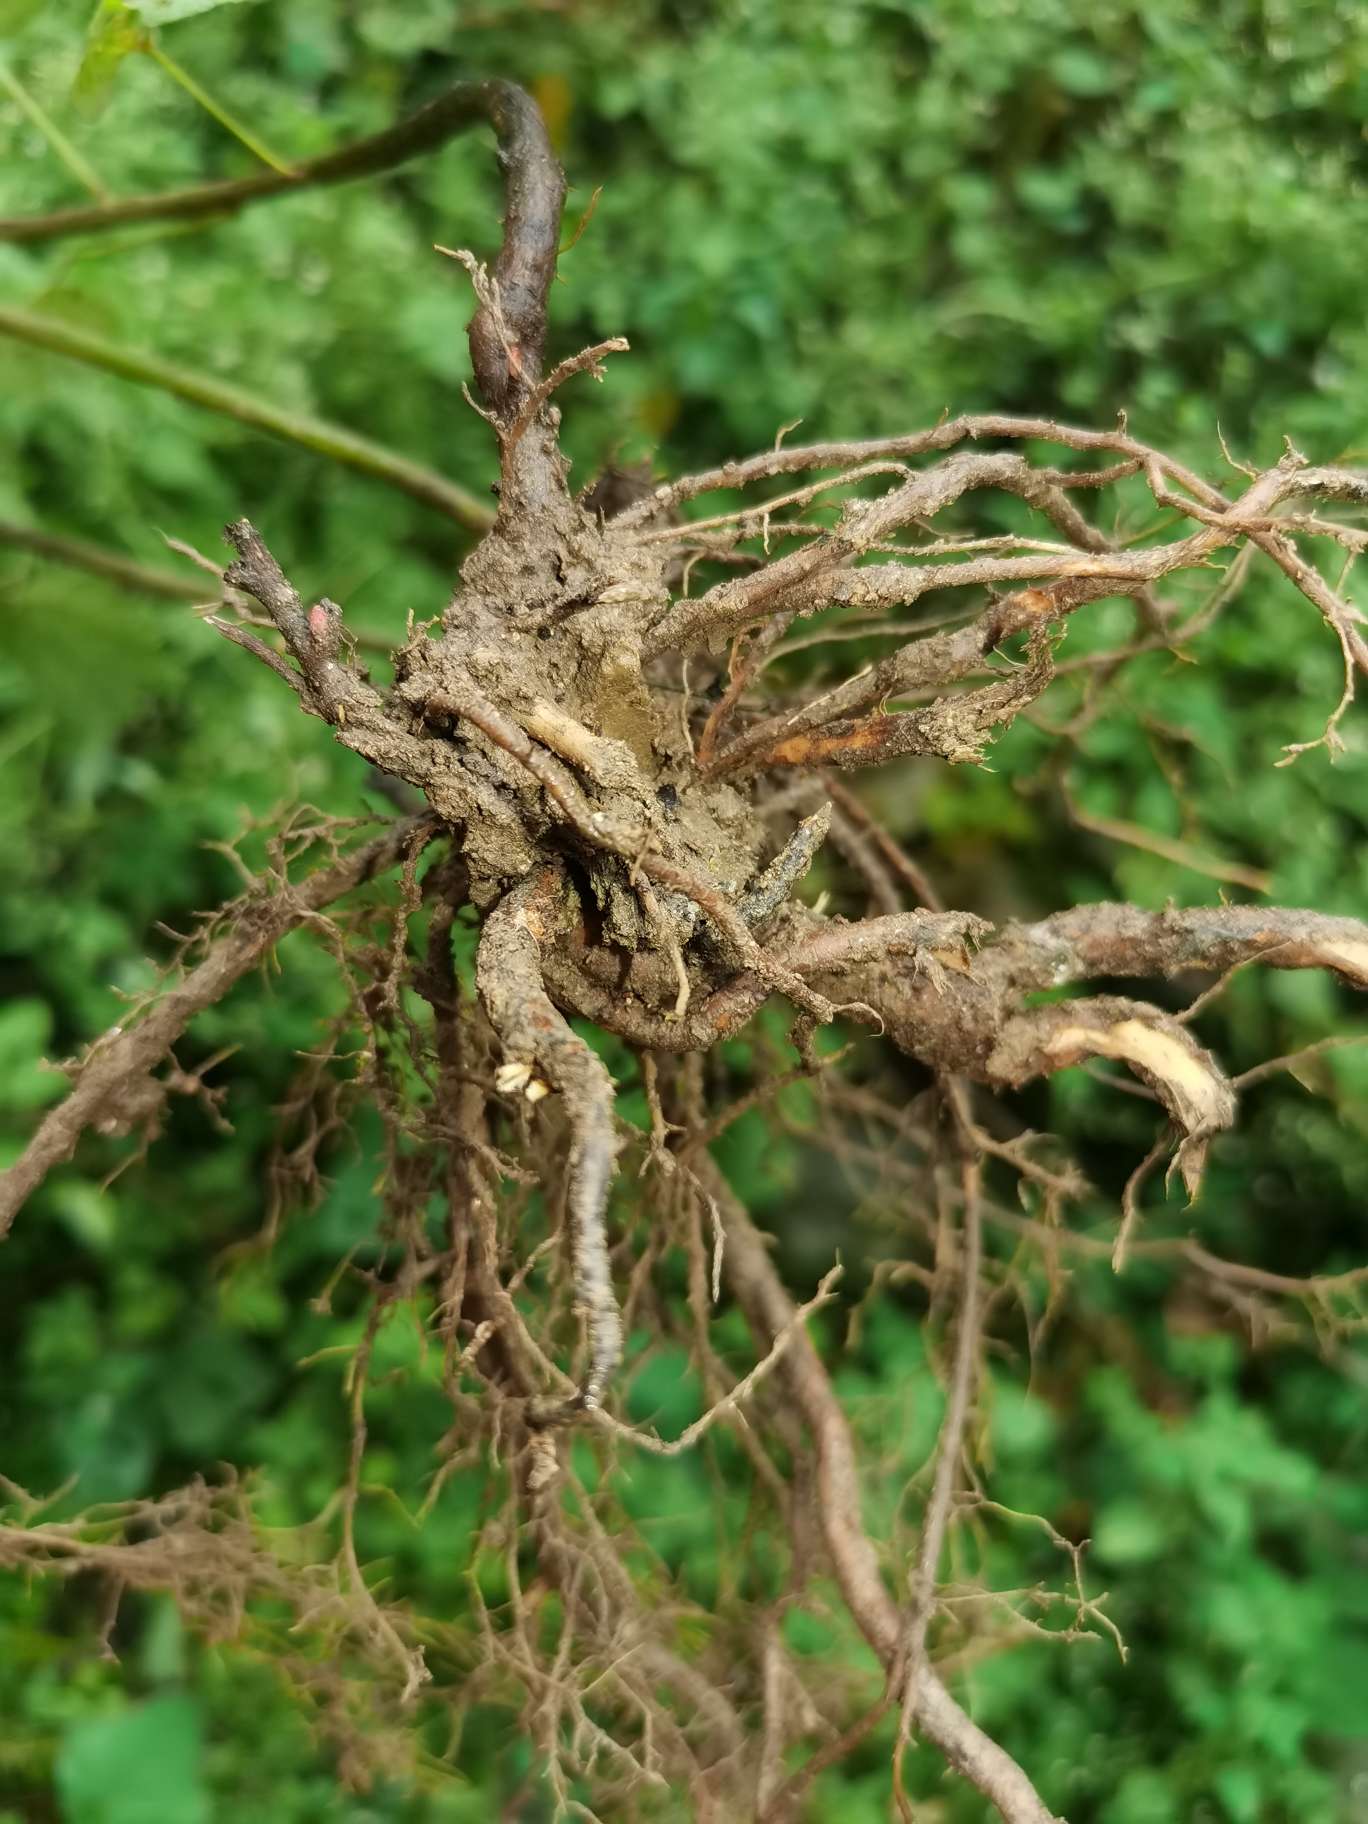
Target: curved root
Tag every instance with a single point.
(533, 1033)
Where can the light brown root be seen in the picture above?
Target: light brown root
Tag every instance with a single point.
(533, 1033)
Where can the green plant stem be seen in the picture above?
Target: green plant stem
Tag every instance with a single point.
(81, 554)
(243, 135)
(330, 440)
(80, 168)
(143, 579)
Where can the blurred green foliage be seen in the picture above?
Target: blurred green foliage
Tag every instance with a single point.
(856, 214)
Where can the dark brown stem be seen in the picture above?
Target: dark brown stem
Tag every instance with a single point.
(507, 365)
(463, 105)
(507, 355)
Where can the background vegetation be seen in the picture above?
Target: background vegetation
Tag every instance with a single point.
(859, 215)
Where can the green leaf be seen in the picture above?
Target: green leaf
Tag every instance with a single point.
(25, 1028)
(87, 1212)
(115, 32)
(1240, 1793)
(1080, 71)
(1129, 1532)
(167, 12)
(140, 1766)
(15, 15)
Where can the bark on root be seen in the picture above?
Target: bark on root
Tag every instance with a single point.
(536, 1037)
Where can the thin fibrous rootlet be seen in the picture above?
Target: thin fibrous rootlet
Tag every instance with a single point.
(632, 847)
